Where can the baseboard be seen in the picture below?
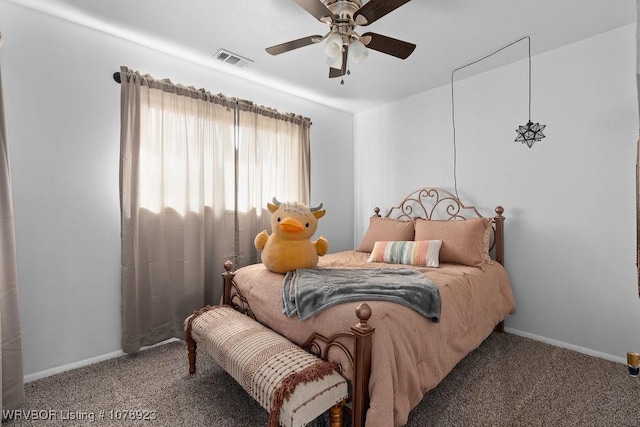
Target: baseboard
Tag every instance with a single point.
(562, 344)
(85, 362)
(92, 360)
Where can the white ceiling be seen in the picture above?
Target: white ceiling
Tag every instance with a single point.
(448, 34)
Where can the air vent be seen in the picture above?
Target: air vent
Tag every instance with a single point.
(231, 58)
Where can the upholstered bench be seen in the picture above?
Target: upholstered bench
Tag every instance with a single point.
(294, 386)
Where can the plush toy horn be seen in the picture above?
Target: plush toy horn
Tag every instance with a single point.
(317, 208)
(276, 202)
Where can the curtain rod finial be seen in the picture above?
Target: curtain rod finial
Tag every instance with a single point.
(116, 77)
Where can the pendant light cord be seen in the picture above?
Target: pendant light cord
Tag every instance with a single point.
(529, 78)
(453, 110)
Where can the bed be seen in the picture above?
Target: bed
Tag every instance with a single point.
(393, 356)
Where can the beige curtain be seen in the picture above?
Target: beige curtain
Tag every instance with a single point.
(195, 173)
(273, 161)
(11, 375)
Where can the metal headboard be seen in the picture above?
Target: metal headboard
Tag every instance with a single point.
(434, 203)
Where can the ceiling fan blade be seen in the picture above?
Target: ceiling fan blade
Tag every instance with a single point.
(316, 8)
(375, 10)
(335, 72)
(390, 46)
(293, 44)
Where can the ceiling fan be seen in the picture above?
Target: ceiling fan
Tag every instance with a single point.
(343, 43)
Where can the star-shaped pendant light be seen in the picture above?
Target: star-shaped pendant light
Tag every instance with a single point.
(530, 133)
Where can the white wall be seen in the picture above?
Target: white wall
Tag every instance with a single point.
(569, 201)
(63, 114)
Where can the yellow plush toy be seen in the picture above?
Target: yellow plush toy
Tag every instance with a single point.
(290, 246)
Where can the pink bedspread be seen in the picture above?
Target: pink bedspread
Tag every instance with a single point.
(411, 354)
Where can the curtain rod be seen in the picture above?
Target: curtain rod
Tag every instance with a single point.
(116, 77)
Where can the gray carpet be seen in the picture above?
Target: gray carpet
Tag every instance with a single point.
(507, 381)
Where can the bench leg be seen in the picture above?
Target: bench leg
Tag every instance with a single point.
(191, 343)
(336, 415)
(191, 346)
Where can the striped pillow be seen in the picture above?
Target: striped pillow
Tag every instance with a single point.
(422, 253)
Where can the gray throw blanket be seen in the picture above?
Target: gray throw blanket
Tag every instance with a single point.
(309, 291)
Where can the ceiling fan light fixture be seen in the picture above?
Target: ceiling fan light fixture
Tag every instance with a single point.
(333, 46)
(342, 42)
(358, 52)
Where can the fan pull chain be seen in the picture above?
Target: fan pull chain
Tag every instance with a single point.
(348, 72)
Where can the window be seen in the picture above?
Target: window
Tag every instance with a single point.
(183, 156)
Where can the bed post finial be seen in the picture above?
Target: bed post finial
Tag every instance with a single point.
(227, 276)
(499, 242)
(362, 364)
(363, 311)
(376, 211)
